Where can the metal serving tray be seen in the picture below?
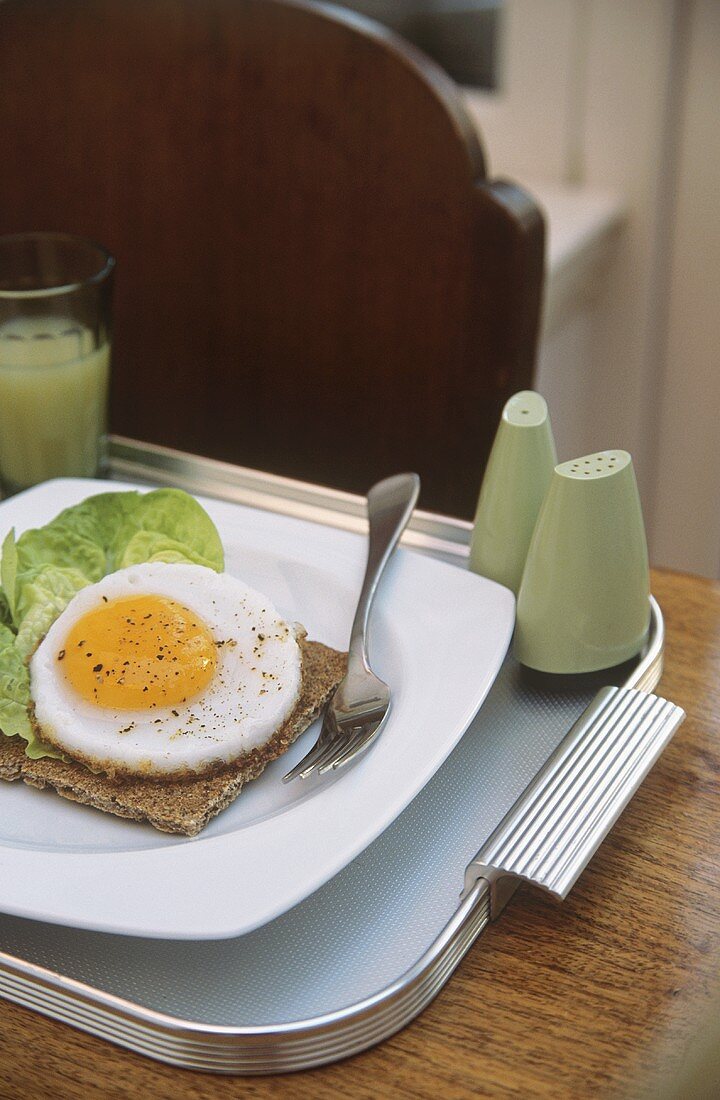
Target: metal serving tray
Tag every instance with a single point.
(539, 778)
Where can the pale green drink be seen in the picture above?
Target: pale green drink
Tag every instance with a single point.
(53, 400)
(55, 325)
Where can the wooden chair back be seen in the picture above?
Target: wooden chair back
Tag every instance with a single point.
(315, 276)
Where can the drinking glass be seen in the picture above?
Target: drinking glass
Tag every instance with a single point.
(55, 332)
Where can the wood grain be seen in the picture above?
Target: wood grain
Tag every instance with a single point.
(315, 276)
(599, 996)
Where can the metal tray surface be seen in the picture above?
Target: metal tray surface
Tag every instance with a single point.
(363, 955)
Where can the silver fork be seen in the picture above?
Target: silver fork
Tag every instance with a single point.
(358, 709)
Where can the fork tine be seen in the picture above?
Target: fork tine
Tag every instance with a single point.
(345, 753)
(329, 733)
(307, 763)
(324, 760)
(301, 768)
(328, 736)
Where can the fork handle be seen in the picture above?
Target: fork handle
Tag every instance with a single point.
(390, 504)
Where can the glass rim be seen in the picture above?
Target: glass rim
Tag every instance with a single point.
(106, 268)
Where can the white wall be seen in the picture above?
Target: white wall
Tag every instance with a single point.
(686, 516)
(622, 97)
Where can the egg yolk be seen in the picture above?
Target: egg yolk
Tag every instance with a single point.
(138, 653)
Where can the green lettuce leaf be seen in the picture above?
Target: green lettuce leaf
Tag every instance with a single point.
(177, 523)
(8, 571)
(153, 546)
(42, 598)
(47, 566)
(15, 697)
(60, 546)
(5, 614)
(101, 520)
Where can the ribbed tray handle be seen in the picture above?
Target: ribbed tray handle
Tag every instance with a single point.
(557, 824)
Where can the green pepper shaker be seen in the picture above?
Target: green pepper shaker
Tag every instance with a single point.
(517, 477)
(584, 599)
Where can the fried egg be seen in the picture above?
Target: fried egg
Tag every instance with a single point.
(164, 670)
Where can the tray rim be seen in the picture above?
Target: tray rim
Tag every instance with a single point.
(301, 1044)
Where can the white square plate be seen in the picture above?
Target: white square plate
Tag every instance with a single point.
(438, 636)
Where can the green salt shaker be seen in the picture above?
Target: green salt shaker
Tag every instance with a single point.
(517, 477)
(584, 601)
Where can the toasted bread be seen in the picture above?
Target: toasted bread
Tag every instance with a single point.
(180, 806)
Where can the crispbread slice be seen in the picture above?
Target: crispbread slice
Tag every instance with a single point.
(183, 806)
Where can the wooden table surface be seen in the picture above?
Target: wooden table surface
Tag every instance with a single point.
(601, 996)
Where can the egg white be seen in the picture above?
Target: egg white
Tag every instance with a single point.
(254, 688)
